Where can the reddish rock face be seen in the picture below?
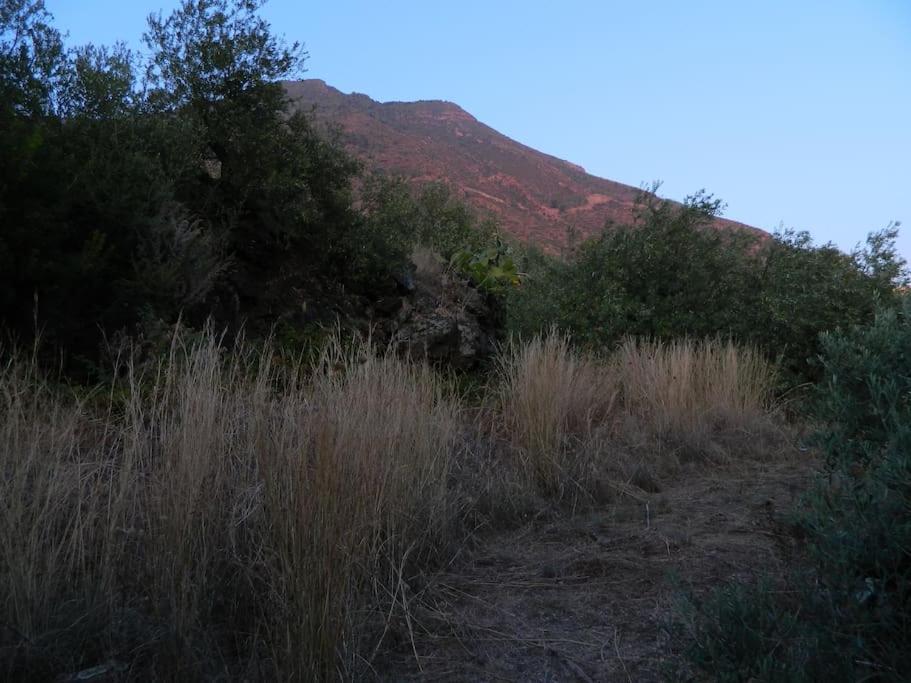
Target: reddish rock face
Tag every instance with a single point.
(535, 197)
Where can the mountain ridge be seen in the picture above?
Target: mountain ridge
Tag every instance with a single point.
(537, 197)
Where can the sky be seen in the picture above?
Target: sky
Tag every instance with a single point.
(796, 114)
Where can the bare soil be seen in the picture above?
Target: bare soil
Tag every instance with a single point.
(588, 597)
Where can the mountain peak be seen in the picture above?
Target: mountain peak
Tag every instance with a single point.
(535, 196)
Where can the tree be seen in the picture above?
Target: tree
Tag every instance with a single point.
(191, 190)
(807, 290)
(77, 183)
(669, 273)
(275, 190)
(32, 59)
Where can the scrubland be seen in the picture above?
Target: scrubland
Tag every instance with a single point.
(688, 458)
(227, 511)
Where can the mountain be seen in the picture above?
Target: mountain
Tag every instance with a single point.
(535, 196)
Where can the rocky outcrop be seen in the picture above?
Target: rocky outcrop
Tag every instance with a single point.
(444, 320)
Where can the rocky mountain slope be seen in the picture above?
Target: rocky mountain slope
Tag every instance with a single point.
(535, 196)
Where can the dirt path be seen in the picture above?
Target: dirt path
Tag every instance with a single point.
(585, 597)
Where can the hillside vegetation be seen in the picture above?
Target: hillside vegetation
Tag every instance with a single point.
(215, 464)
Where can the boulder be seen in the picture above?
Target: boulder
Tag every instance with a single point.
(446, 321)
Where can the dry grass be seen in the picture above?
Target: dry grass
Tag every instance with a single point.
(569, 416)
(373, 496)
(552, 399)
(219, 514)
(58, 507)
(691, 391)
(218, 506)
(428, 265)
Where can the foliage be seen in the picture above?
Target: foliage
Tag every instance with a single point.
(79, 186)
(31, 59)
(672, 273)
(430, 216)
(129, 196)
(755, 633)
(848, 615)
(806, 290)
(865, 400)
(492, 269)
(669, 274)
(280, 192)
(400, 219)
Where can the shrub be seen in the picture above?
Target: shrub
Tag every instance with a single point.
(761, 633)
(807, 290)
(427, 216)
(492, 269)
(865, 400)
(133, 199)
(671, 274)
(850, 606)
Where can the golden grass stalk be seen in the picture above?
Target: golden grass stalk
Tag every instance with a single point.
(551, 397)
(356, 484)
(220, 505)
(688, 388)
(217, 503)
(59, 513)
(571, 417)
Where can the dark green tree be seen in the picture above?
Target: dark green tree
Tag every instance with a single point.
(670, 273)
(77, 183)
(807, 290)
(267, 183)
(190, 191)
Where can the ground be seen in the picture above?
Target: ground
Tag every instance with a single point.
(587, 596)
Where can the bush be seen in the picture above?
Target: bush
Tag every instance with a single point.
(672, 274)
(865, 400)
(761, 633)
(851, 607)
(401, 217)
(807, 290)
(667, 275)
(492, 269)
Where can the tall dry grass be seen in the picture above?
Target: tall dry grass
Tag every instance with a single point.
(218, 514)
(690, 389)
(373, 497)
(552, 399)
(58, 511)
(568, 414)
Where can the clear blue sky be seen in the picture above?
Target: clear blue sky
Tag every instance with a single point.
(793, 112)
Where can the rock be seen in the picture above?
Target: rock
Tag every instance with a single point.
(446, 321)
